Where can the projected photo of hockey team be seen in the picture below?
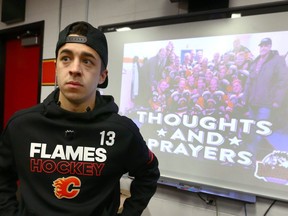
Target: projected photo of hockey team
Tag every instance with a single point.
(221, 101)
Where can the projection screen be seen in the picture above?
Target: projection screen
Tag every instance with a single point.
(211, 112)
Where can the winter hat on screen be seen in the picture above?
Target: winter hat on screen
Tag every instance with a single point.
(88, 35)
(265, 41)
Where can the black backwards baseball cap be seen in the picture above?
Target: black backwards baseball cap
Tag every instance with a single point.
(92, 37)
(265, 41)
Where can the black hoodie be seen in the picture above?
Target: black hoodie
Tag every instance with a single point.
(70, 164)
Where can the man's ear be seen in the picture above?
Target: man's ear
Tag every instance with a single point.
(56, 79)
(103, 76)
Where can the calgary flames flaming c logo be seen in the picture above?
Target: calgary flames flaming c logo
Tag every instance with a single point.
(67, 187)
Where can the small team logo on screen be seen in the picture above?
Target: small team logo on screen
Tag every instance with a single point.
(273, 168)
(67, 188)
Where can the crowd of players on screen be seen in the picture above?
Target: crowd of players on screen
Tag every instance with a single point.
(196, 84)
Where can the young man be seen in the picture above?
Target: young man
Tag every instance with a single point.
(69, 152)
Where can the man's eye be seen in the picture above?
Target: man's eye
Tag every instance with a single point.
(87, 62)
(65, 59)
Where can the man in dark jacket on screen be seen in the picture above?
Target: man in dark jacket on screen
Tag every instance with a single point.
(266, 88)
(267, 84)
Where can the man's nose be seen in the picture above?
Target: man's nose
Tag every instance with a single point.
(75, 66)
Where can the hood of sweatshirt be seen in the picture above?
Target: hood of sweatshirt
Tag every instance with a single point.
(104, 107)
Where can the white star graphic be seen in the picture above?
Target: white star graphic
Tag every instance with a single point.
(235, 141)
(161, 132)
